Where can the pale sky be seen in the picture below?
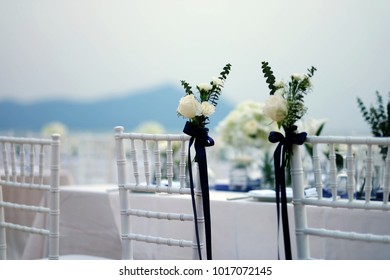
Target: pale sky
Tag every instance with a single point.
(86, 49)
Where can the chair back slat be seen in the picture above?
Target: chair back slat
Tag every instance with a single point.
(369, 172)
(157, 163)
(145, 152)
(13, 161)
(332, 171)
(386, 182)
(32, 162)
(22, 163)
(317, 169)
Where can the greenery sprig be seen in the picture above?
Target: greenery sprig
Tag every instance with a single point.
(269, 75)
(377, 118)
(187, 87)
(216, 90)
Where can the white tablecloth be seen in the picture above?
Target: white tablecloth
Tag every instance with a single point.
(241, 229)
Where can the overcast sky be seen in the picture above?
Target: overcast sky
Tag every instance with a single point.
(82, 49)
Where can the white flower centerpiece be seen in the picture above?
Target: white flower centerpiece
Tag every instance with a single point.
(244, 133)
(245, 126)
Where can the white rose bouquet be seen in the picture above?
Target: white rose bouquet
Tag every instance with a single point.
(285, 104)
(199, 109)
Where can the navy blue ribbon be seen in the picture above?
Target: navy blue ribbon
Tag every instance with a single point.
(282, 156)
(201, 140)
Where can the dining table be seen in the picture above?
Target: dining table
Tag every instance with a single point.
(243, 227)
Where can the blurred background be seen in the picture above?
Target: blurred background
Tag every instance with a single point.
(83, 67)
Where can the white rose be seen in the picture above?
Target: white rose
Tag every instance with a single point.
(207, 109)
(275, 107)
(309, 84)
(312, 125)
(279, 84)
(216, 81)
(279, 91)
(205, 86)
(297, 77)
(250, 127)
(189, 107)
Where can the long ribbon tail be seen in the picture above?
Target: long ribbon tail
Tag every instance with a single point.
(202, 140)
(281, 202)
(193, 199)
(277, 191)
(203, 174)
(286, 231)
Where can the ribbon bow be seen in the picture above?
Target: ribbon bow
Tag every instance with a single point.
(281, 160)
(199, 135)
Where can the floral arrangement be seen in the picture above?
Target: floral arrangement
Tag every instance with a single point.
(55, 127)
(285, 105)
(245, 126)
(377, 118)
(152, 127)
(312, 127)
(199, 109)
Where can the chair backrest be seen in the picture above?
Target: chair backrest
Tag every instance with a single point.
(347, 172)
(30, 165)
(157, 164)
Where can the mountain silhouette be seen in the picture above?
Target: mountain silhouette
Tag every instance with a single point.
(157, 104)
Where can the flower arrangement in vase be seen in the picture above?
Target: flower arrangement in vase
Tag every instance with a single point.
(379, 120)
(244, 133)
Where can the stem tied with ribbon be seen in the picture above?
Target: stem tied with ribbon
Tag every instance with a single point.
(282, 156)
(201, 140)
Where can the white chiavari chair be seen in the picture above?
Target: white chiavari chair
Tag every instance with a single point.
(345, 187)
(25, 162)
(157, 163)
(30, 197)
